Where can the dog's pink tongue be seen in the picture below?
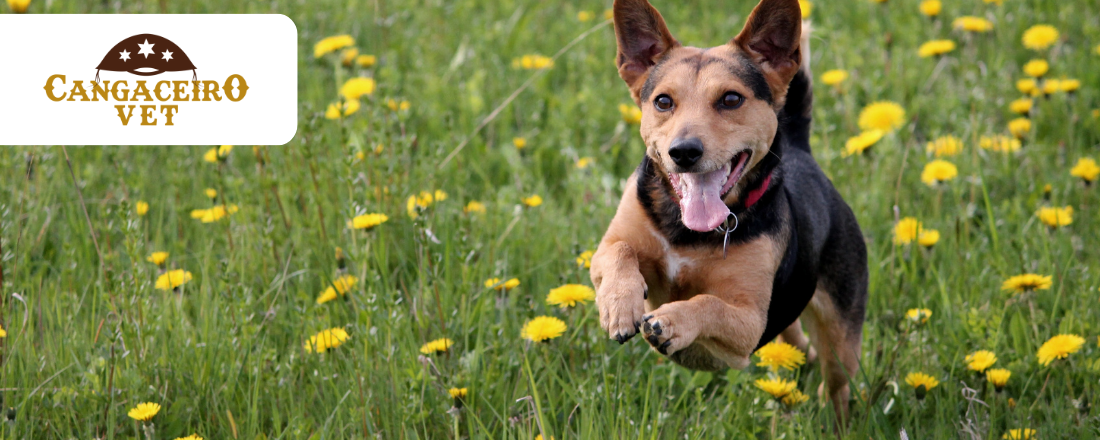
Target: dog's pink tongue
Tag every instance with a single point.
(701, 203)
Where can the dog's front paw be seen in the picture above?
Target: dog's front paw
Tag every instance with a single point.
(669, 329)
(622, 304)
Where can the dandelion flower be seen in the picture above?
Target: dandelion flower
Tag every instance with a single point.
(807, 7)
(1059, 347)
(794, 398)
(834, 77)
(906, 230)
(584, 16)
(3, 333)
(945, 146)
(497, 285)
(347, 57)
(437, 346)
(938, 171)
(973, 24)
(777, 387)
(776, 355)
(366, 60)
(919, 316)
(1040, 36)
(570, 295)
(141, 208)
(210, 156)
(144, 411)
(340, 286)
(584, 162)
(861, 142)
(585, 259)
(1055, 217)
(543, 328)
(474, 207)
(1086, 169)
(935, 47)
(519, 142)
(367, 221)
(211, 193)
(631, 113)
(157, 258)
(418, 203)
(882, 115)
(1019, 434)
(326, 340)
(331, 44)
(354, 88)
(1069, 85)
(458, 393)
(980, 360)
(1021, 106)
(190, 437)
(1019, 127)
(1028, 282)
(999, 143)
(19, 6)
(214, 214)
(998, 377)
(921, 382)
(1027, 86)
(173, 279)
(931, 8)
(337, 110)
(533, 62)
(928, 237)
(1036, 68)
(532, 201)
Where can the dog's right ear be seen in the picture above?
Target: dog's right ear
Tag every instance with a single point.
(643, 39)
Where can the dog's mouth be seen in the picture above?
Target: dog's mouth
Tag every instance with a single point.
(700, 194)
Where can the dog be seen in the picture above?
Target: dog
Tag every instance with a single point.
(728, 231)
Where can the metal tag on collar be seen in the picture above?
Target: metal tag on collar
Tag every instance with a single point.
(727, 230)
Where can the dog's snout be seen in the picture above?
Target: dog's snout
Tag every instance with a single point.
(685, 152)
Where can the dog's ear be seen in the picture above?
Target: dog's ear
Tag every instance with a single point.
(771, 39)
(643, 39)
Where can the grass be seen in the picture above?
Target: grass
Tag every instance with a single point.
(88, 337)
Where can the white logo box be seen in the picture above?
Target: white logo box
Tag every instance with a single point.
(262, 49)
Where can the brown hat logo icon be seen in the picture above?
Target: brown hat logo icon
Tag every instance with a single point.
(146, 55)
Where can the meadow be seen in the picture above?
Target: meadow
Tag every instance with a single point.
(277, 313)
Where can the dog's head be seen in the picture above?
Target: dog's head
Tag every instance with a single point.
(709, 116)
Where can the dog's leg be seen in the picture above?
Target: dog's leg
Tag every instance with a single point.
(837, 340)
(793, 335)
(728, 330)
(620, 289)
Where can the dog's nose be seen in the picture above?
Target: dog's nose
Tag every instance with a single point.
(685, 152)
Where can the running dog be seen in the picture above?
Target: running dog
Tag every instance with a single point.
(728, 231)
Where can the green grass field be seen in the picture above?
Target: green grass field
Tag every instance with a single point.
(88, 336)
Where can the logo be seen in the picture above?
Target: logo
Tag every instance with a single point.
(129, 80)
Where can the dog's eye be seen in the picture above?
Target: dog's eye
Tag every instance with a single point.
(731, 100)
(663, 103)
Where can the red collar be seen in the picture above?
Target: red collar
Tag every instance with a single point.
(756, 193)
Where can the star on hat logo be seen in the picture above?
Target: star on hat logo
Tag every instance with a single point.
(146, 49)
(125, 55)
(167, 55)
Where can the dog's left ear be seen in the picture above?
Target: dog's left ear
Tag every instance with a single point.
(771, 39)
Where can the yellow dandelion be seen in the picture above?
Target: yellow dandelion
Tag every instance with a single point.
(532, 201)
(437, 346)
(631, 113)
(331, 44)
(998, 377)
(211, 193)
(214, 214)
(326, 340)
(497, 285)
(144, 411)
(1028, 282)
(807, 7)
(474, 207)
(396, 105)
(861, 142)
(881, 115)
(458, 393)
(931, 8)
(210, 156)
(1069, 85)
(141, 208)
(776, 355)
(906, 230)
(1059, 347)
(340, 286)
(918, 316)
(542, 329)
(338, 110)
(173, 279)
(921, 382)
(834, 77)
(1027, 86)
(3, 333)
(935, 47)
(157, 258)
(1086, 169)
(1051, 86)
(776, 386)
(1000, 143)
(608, 14)
(347, 57)
(945, 146)
(1055, 217)
(418, 203)
(190, 437)
(355, 88)
(928, 237)
(794, 398)
(1019, 127)
(938, 171)
(1036, 68)
(584, 16)
(366, 60)
(980, 360)
(570, 295)
(1019, 434)
(973, 24)
(533, 62)
(367, 221)
(19, 6)
(1021, 106)
(584, 162)
(585, 259)
(1040, 36)
(519, 142)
